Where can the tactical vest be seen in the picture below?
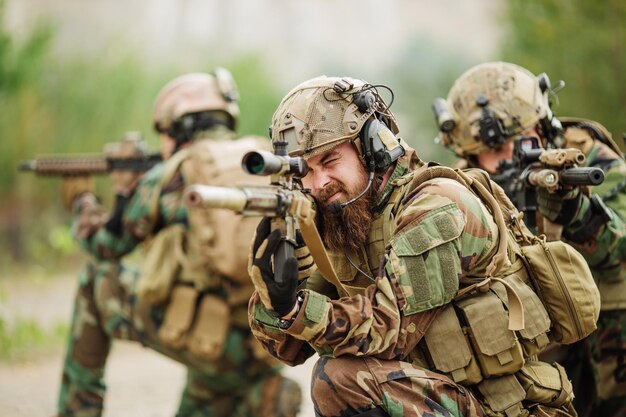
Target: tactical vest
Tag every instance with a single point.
(488, 337)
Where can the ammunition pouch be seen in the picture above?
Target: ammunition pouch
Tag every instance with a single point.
(544, 386)
(196, 322)
(471, 341)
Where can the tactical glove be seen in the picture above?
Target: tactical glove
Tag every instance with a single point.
(281, 298)
(560, 207)
(306, 265)
(72, 187)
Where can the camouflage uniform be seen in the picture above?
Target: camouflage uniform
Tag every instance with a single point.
(596, 364)
(519, 102)
(242, 382)
(425, 239)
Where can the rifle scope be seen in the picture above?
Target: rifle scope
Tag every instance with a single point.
(267, 163)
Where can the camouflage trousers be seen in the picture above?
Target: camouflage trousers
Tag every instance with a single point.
(347, 386)
(237, 384)
(597, 367)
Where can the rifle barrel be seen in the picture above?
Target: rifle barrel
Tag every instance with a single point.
(248, 200)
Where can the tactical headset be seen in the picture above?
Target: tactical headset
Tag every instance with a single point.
(380, 146)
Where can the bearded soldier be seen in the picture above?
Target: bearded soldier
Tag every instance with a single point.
(398, 321)
(189, 301)
(496, 107)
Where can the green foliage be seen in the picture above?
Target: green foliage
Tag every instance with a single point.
(580, 42)
(26, 337)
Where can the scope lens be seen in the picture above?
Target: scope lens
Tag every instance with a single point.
(254, 163)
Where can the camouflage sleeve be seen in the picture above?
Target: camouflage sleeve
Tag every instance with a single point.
(599, 229)
(439, 237)
(137, 222)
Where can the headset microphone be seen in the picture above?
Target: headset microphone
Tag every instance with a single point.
(336, 207)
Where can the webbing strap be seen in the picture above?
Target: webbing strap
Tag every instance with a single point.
(170, 168)
(516, 311)
(303, 210)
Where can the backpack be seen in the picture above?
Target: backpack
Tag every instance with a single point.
(218, 240)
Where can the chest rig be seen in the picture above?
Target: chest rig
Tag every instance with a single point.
(487, 338)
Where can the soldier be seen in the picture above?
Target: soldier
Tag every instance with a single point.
(190, 300)
(515, 104)
(403, 240)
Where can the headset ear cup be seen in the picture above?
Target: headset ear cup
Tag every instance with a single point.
(375, 152)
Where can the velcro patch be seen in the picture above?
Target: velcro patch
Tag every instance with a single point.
(425, 260)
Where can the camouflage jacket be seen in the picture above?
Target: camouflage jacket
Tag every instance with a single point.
(603, 243)
(439, 233)
(139, 222)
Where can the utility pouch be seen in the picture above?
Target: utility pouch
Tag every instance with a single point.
(545, 384)
(566, 287)
(449, 350)
(208, 335)
(178, 316)
(497, 348)
(502, 397)
(161, 265)
(534, 336)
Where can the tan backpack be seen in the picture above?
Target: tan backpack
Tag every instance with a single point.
(219, 240)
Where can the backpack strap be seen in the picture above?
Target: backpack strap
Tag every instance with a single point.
(169, 169)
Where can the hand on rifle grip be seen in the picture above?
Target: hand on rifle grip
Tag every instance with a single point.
(277, 296)
(561, 206)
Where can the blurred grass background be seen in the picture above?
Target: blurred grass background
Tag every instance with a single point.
(59, 99)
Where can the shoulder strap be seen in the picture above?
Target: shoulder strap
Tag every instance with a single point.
(169, 169)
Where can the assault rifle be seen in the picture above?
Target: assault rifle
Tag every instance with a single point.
(283, 199)
(552, 169)
(129, 154)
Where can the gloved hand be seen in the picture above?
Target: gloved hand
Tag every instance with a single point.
(73, 186)
(560, 207)
(306, 265)
(278, 297)
(125, 181)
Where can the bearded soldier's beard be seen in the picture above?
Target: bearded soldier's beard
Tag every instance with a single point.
(349, 228)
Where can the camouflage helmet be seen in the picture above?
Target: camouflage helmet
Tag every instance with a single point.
(196, 92)
(490, 104)
(324, 112)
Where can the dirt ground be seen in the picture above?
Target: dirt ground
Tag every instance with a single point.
(140, 382)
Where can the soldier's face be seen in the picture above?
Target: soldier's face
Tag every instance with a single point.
(338, 169)
(338, 176)
(489, 159)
